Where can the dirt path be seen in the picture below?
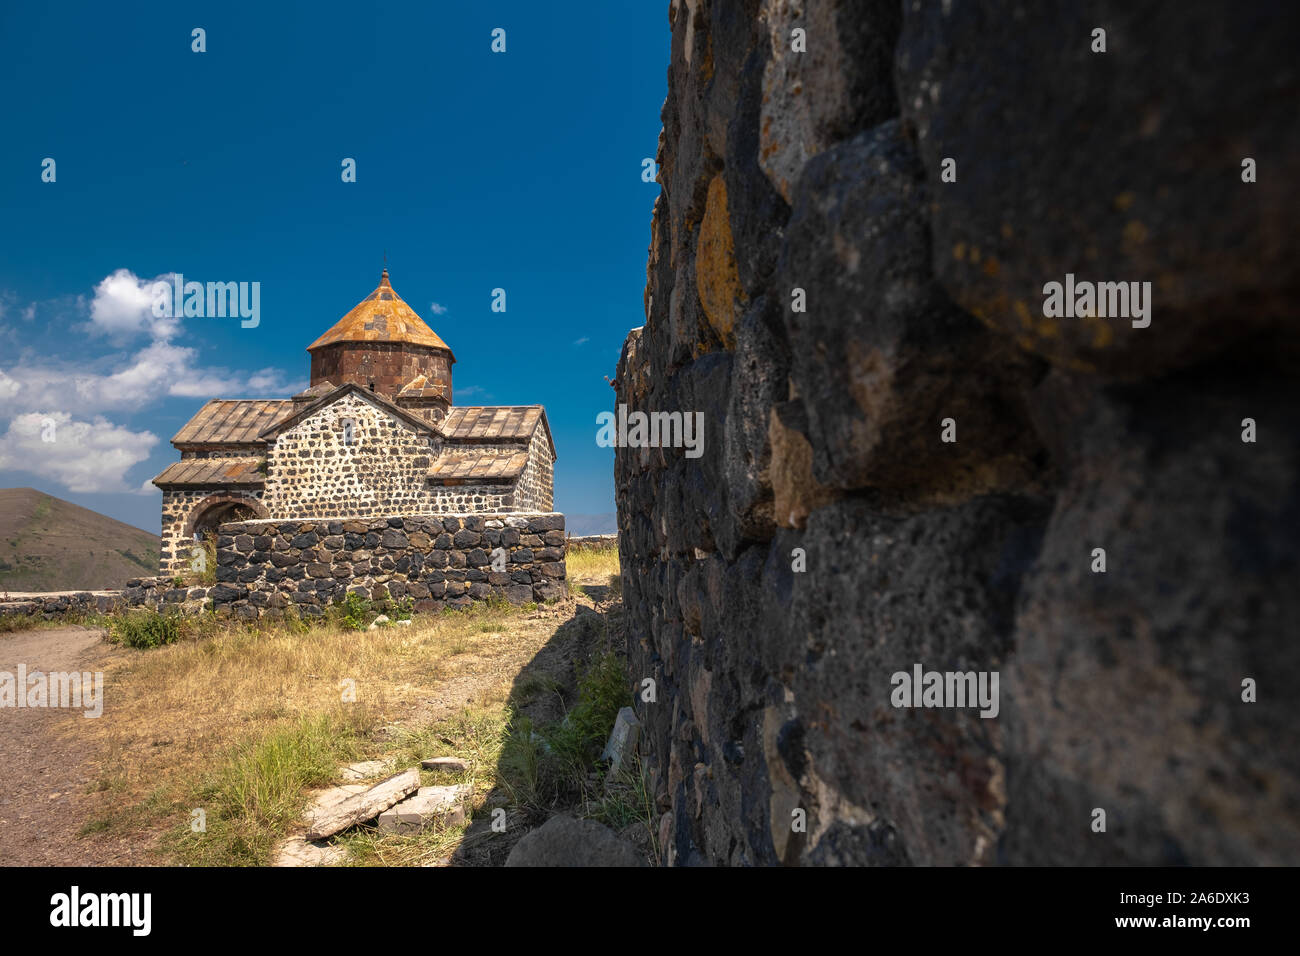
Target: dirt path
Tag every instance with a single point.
(51, 761)
(44, 775)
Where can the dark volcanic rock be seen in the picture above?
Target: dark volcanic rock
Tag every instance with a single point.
(883, 355)
(828, 538)
(1088, 163)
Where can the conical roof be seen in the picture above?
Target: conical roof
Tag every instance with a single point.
(381, 316)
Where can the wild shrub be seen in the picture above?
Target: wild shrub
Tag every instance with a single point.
(355, 612)
(143, 628)
(602, 691)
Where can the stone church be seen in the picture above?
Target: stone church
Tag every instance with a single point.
(375, 433)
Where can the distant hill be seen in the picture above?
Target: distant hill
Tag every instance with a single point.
(580, 525)
(48, 544)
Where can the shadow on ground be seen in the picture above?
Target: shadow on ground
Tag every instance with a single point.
(544, 691)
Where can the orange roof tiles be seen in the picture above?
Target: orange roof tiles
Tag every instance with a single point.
(232, 421)
(490, 422)
(212, 472)
(467, 464)
(381, 316)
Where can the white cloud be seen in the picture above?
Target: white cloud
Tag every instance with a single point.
(581, 341)
(159, 370)
(469, 391)
(83, 456)
(90, 453)
(123, 306)
(437, 308)
(9, 302)
(271, 381)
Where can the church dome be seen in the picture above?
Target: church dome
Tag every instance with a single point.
(382, 345)
(381, 316)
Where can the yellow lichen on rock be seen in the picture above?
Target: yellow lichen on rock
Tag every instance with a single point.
(796, 493)
(716, 277)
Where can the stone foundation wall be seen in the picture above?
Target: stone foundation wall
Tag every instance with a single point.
(593, 542)
(907, 462)
(436, 561)
(266, 566)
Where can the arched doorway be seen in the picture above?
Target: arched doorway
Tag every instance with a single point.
(216, 510)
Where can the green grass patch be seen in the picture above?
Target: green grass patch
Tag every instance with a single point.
(602, 691)
(543, 766)
(259, 790)
(150, 566)
(520, 766)
(476, 735)
(99, 825)
(357, 613)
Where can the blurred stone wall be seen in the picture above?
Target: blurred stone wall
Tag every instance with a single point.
(828, 299)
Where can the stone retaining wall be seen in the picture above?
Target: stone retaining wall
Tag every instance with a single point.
(267, 566)
(594, 541)
(437, 561)
(139, 592)
(908, 460)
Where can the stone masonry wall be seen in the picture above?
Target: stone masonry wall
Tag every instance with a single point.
(457, 499)
(437, 560)
(311, 472)
(838, 300)
(266, 566)
(536, 484)
(158, 593)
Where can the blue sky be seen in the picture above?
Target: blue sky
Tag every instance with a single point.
(475, 170)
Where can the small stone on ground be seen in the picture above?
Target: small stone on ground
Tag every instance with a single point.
(622, 740)
(363, 770)
(298, 852)
(440, 806)
(328, 820)
(452, 764)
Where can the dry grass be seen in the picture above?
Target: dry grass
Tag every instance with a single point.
(206, 722)
(592, 564)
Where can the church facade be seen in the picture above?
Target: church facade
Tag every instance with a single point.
(375, 433)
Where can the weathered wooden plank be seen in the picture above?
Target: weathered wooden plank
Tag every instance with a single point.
(327, 821)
